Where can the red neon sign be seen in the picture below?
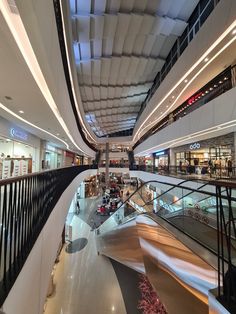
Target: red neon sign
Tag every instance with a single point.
(194, 98)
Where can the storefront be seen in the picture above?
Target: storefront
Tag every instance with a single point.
(53, 157)
(91, 186)
(216, 152)
(146, 161)
(161, 159)
(19, 151)
(78, 160)
(69, 158)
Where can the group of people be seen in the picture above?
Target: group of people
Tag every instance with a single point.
(110, 201)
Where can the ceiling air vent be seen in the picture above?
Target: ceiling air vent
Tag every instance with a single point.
(13, 7)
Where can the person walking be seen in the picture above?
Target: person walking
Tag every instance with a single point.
(77, 208)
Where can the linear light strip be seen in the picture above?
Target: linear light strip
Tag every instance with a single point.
(171, 143)
(223, 35)
(31, 124)
(18, 31)
(194, 77)
(71, 77)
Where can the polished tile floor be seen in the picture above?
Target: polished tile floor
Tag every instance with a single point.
(85, 283)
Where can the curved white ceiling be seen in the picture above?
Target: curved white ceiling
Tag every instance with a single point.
(119, 47)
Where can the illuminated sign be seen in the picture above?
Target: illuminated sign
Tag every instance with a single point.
(195, 146)
(18, 134)
(194, 98)
(160, 153)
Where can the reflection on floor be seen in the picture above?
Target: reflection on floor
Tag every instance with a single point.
(129, 281)
(88, 209)
(85, 282)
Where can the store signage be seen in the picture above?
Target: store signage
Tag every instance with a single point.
(18, 134)
(195, 146)
(160, 153)
(70, 154)
(194, 98)
(50, 148)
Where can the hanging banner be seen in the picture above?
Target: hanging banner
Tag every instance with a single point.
(6, 169)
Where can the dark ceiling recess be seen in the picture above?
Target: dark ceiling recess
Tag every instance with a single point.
(57, 10)
(122, 133)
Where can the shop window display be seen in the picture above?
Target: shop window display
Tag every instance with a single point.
(16, 158)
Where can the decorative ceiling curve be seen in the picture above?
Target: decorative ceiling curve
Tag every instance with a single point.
(119, 47)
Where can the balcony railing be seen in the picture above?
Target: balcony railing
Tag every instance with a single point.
(190, 171)
(196, 20)
(25, 204)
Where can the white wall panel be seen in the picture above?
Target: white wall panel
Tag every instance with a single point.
(99, 6)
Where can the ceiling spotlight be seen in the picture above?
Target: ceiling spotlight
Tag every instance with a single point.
(220, 82)
(206, 92)
(215, 85)
(173, 97)
(211, 88)
(21, 111)
(234, 32)
(225, 78)
(167, 106)
(206, 59)
(185, 81)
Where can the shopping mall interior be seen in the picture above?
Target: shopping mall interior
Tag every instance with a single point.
(118, 156)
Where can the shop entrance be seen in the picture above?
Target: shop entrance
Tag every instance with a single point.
(204, 160)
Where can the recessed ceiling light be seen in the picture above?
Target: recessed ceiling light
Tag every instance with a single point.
(215, 85)
(211, 88)
(167, 106)
(225, 78)
(206, 91)
(220, 82)
(185, 81)
(234, 32)
(21, 111)
(206, 59)
(173, 97)
(58, 134)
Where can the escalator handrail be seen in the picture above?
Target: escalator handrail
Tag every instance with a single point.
(165, 183)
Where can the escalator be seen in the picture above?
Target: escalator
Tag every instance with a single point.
(177, 250)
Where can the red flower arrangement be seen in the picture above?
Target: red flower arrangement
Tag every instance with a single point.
(150, 303)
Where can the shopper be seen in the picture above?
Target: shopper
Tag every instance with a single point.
(77, 208)
(230, 168)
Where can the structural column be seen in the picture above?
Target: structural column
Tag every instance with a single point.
(107, 164)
